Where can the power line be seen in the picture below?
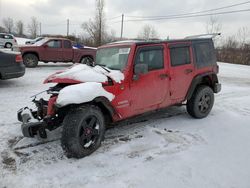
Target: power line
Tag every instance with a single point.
(191, 13)
(115, 17)
(191, 16)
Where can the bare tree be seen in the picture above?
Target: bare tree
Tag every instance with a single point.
(96, 28)
(148, 32)
(213, 25)
(2, 29)
(8, 24)
(33, 27)
(242, 36)
(20, 28)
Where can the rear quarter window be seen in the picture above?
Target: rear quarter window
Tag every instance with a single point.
(205, 54)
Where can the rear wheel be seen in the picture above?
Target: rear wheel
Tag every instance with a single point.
(201, 102)
(87, 60)
(30, 60)
(83, 131)
(8, 45)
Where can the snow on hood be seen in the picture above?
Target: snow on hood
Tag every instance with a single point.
(81, 93)
(85, 73)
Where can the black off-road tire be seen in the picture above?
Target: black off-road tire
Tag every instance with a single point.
(76, 129)
(201, 102)
(30, 60)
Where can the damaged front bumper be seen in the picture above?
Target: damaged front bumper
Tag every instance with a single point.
(30, 125)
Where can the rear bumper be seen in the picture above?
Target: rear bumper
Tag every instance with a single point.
(217, 87)
(10, 72)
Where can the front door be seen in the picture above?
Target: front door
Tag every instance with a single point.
(150, 89)
(181, 70)
(52, 51)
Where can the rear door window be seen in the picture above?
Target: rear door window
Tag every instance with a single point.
(180, 55)
(54, 44)
(67, 44)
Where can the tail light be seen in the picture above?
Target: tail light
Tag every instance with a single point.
(19, 58)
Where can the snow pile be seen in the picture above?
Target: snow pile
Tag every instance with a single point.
(85, 73)
(81, 93)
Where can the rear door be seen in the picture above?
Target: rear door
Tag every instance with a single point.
(52, 51)
(67, 51)
(181, 71)
(150, 89)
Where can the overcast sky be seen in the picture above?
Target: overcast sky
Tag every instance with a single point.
(54, 13)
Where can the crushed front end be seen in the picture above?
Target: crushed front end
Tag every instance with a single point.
(45, 116)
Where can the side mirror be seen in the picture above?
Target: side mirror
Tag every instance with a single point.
(140, 69)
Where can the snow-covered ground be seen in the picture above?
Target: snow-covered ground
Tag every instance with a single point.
(167, 149)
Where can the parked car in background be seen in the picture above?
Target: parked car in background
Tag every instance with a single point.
(11, 65)
(56, 50)
(7, 40)
(34, 40)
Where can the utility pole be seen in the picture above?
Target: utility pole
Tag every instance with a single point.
(40, 29)
(122, 26)
(100, 32)
(67, 27)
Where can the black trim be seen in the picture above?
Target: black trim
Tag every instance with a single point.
(105, 102)
(198, 80)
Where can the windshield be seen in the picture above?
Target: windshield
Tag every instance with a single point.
(113, 58)
(41, 42)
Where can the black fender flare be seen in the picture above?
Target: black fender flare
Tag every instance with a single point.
(210, 79)
(104, 103)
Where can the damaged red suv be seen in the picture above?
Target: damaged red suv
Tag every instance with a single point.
(128, 79)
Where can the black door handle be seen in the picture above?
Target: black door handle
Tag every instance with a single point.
(188, 71)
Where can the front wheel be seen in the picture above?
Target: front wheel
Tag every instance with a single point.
(83, 131)
(30, 60)
(201, 102)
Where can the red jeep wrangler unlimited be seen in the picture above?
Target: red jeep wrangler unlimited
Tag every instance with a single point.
(55, 50)
(129, 78)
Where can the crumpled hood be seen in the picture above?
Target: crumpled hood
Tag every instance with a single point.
(80, 73)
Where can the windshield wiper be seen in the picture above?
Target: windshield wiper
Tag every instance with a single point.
(104, 67)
